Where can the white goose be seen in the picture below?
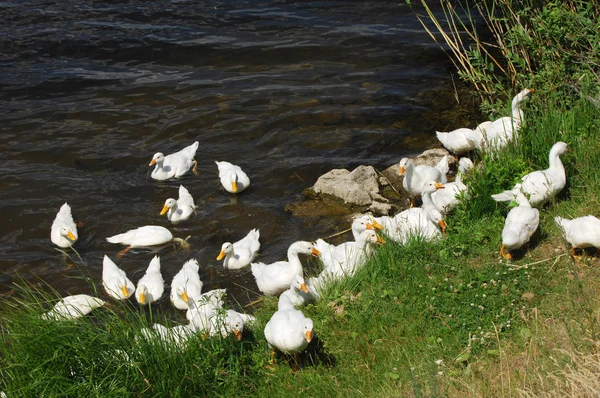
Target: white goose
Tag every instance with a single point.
(424, 221)
(180, 209)
(273, 279)
(115, 281)
(345, 259)
(232, 177)
(151, 286)
(72, 307)
(63, 232)
(503, 130)
(296, 295)
(146, 236)
(445, 200)
(231, 322)
(359, 225)
(174, 165)
(520, 224)
(415, 177)
(542, 185)
(289, 331)
(459, 141)
(186, 285)
(240, 253)
(580, 232)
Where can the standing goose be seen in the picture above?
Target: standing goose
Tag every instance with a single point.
(542, 185)
(180, 209)
(151, 286)
(240, 253)
(273, 279)
(186, 285)
(174, 165)
(502, 131)
(63, 232)
(520, 224)
(415, 177)
(289, 331)
(580, 232)
(232, 177)
(115, 281)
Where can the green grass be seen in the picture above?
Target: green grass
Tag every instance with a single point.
(378, 333)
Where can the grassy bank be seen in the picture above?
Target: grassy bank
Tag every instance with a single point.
(450, 318)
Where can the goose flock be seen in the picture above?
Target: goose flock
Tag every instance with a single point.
(289, 330)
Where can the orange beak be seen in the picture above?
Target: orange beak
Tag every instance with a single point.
(304, 288)
(152, 162)
(402, 170)
(185, 297)
(370, 226)
(380, 240)
(221, 255)
(234, 187)
(377, 225)
(71, 236)
(532, 90)
(439, 186)
(308, 336)
(142, 298)
(124, 291)
(315, 252)
(238, 334)
(164, 210)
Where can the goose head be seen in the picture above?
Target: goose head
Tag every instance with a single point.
(308, 330)
(298, 284)
(432, 186)
(143, 293)
(303, 247)
(234, 323)
(404, 165)
(169, 204)
(182, 293)
(560, 148)
(123, 286)
(233, 179)
(158, 158)
(64, 231)
(226, 248)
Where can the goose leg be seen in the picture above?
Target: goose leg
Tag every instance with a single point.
(122, 252)
(575, 256)
(504, 253)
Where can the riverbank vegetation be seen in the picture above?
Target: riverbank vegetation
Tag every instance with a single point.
(449, 318)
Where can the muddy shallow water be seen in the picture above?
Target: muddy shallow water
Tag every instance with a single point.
(288, 90)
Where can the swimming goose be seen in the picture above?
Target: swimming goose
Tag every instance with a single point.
(240, 253)
(180, 209)
(542, 185)
(63, 232)
(273, 279)
(415, 177)
(174, 165)
(72, 307)
(520, 224)
(580, 232)
(115, 281)
(445, 200)
(146, 236)
(503, 130)
(151, 286)
(186, 285)
(233, 178)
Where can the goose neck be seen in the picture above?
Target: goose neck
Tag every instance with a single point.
(554, 160)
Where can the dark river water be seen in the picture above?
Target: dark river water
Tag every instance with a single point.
(90, 90)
